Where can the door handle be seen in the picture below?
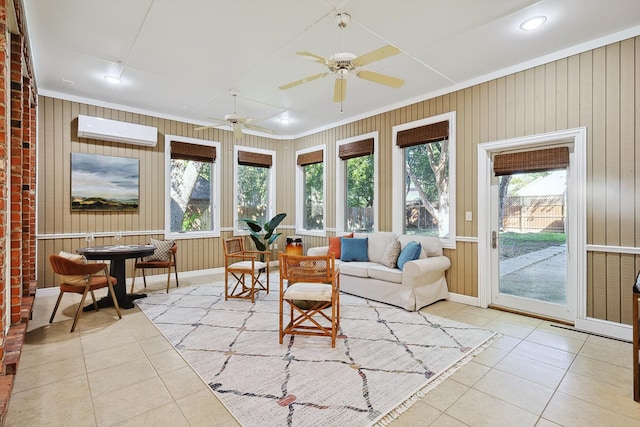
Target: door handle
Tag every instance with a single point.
(494, 239)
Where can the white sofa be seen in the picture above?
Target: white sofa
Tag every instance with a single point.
(420, 283)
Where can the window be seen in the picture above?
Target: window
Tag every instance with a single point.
(356, 184)
(254, 186)
(192, 188)
(310, 185)
(424, 174)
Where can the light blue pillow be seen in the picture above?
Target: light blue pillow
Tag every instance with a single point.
(409, 253)
(354, 249)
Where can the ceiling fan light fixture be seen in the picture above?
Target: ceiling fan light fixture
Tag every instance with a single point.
(533, 23)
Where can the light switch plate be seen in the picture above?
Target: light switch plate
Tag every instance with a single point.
(468, 216)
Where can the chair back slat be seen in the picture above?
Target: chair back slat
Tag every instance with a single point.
(233, 245)
(297, 268)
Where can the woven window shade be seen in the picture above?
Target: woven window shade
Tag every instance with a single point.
(356, 149)
(309, 158)
(423, 134)
(248, 158)
(531, 161)
(195, 152)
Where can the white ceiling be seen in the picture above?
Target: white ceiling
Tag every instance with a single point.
(180, 58)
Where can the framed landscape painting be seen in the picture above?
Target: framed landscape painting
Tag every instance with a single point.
(104, 183)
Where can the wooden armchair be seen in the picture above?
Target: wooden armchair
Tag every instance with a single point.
(310, 285)
(81, 278)
(162, 258)
(240, 263)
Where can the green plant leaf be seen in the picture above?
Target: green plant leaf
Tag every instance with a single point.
(273, 238)
(253, 224)
(270, 227)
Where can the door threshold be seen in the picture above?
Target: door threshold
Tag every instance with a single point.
(533, 315)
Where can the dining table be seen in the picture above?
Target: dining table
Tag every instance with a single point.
(117, 256)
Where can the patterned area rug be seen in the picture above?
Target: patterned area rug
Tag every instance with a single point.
(385, 357)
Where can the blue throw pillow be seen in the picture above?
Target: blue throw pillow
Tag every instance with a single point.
(354, 249)
(409, 253)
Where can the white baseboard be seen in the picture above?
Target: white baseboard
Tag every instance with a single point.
(606, 328)
(464, 299)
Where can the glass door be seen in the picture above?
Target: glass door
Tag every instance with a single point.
(529, 243)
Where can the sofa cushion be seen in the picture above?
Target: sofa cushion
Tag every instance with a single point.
(409, 253)
(391, 253)
(353, 249)
(358, 269)
(431, 246)
(386, 274)
(335, 244)
(378, 242)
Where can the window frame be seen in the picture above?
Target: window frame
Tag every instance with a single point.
(398, 161)
(341, 178)
(271, 186)
(299, 192)
(215, 197)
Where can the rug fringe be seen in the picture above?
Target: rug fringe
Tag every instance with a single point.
(433, 383)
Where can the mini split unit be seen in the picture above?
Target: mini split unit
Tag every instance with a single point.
(112, 130)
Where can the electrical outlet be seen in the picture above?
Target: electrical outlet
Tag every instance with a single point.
(275, 246)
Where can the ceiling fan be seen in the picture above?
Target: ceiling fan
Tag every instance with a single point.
(237, 122)
(344, 63)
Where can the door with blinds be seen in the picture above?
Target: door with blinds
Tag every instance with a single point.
(529, 207)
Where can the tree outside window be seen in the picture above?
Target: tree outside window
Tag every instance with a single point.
(254, 189)
(427, 189)
(310, 191)
(252, 193)
(192, 187)
(190, 196)
(424, 176)
(359, 193)
(313, 196)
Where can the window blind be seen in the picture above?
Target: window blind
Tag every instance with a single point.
(194, 152)
(423, 134)
(310, 158)
(531, 161)
(356, 149)
(249, 158)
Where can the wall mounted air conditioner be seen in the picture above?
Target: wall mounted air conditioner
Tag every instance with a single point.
(112, 130)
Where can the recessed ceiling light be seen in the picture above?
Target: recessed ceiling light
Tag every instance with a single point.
(533, 23)
(113, 79)
(284, 121)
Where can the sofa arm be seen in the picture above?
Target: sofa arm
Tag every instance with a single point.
(425, 271)
(318, 251)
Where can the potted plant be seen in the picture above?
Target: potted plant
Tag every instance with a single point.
(263, 235)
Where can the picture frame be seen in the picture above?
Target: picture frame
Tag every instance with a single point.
(104, 183)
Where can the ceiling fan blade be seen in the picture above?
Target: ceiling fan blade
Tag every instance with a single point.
(380, 78)
(203, 128)
(340, 90)
(314, 57)
(237, 132)
(258, 128)
(376, 55)
(305, 80)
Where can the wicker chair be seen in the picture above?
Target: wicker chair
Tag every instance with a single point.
(310, 285)
(240, 263)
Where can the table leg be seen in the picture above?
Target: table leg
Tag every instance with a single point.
(118, 270)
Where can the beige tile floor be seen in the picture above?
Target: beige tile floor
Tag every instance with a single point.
(124, 373)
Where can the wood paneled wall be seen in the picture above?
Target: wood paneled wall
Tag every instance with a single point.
(598, 89)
